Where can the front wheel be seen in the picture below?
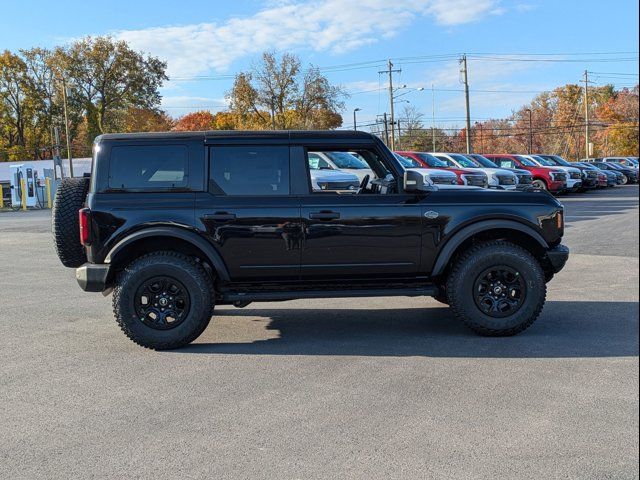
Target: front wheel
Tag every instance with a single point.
(163, 300)
(539, 184)
(497, 288)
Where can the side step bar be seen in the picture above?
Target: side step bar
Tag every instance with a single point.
(242, 297)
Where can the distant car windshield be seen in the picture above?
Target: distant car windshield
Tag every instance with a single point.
(484, 161)
(406, 161)
(464, 161)
(526, 161)
(431, 161)
(346, 160)
(543, 161)
(558, 160)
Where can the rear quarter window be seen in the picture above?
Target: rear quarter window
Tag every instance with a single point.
(148, 167)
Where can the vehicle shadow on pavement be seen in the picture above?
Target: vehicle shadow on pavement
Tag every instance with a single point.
(565, 329)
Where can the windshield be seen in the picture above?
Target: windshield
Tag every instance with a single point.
(558, 160)
(543, 161)
(464, 161)
(318, 163)
(526, 161)
(346, 160)
(484, 161)
(431, 161)
(406, 161)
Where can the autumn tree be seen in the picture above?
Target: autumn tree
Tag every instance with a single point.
(620, 116)
(195, 122)
(278, 94)
(146, 120)
(106, 77)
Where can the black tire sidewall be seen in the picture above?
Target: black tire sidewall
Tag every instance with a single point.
(65, 227)
(461, 289)
(194, 280)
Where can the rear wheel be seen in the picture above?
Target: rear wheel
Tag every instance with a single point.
(163, 300)
(625, 180)
(497, 288)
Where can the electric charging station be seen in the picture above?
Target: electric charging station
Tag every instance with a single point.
(18, 173)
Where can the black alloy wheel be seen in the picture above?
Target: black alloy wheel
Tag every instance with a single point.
(162, 302)
(500, 291)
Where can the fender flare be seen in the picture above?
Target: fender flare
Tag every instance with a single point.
(446, 252)
(211, 253)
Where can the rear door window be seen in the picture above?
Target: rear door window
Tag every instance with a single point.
(240, 170)
(148, 167)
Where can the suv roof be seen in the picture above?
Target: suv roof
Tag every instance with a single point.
(261, 134)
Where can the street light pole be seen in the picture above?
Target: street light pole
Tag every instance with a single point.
(355, 124)
(66, 125)
(465, 77)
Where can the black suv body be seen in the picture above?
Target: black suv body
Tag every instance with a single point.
(231, 218)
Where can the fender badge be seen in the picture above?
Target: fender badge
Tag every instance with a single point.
(431, 215)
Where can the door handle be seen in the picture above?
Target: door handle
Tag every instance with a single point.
(324, 215)
(219, 216)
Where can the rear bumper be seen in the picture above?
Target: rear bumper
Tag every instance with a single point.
(558, 257)
(92, 277)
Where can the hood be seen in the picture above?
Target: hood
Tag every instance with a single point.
(333, 176)
(496, 171)
(436, 171)
(568, 169)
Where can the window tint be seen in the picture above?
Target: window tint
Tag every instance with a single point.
(148, 167)
(249, 170)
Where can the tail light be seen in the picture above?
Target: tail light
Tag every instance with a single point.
(84, 216)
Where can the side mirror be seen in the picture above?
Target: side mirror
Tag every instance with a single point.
(416, 181)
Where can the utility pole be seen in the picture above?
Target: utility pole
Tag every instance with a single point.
(465, 79)
(389, 71)
(66, 125)
(433, 119)
(586, 114)
(399, 136)
(386, 128)
(56, 152)
(528, 110)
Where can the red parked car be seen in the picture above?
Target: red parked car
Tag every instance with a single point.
(545, 178)
(465, 176)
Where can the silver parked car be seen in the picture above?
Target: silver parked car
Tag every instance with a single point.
(325, 178)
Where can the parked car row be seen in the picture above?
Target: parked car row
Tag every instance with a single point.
(347, 171)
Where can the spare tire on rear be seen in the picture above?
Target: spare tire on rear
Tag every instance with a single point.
(65, 225)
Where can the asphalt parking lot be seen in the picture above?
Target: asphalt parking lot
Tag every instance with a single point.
(379, 388)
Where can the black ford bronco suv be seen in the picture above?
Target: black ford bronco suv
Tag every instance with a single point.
(175, 223)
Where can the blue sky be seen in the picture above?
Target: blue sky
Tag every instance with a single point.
(213, 40)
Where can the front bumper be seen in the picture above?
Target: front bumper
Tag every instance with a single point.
(558, 257)
(557, 187)
(92, 277)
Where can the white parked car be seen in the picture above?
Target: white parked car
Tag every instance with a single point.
(498, 178)
(343, 161)
(326, 178)
(574, 175)
(432, 176)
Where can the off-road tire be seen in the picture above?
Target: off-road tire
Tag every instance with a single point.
(65, 226)
(467, 268)
(172, 264)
